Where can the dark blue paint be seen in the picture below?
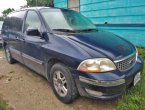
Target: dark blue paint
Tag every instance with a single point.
(105, 43)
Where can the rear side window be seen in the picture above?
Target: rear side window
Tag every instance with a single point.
(14, 21)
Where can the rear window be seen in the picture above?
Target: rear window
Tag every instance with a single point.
(14, 21)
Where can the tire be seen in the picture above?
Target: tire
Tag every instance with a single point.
(63, 84)
(9, 58)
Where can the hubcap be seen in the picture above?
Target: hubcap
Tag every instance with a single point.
(8, 54)
(60, 83)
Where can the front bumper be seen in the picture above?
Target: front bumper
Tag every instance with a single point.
(106, 85)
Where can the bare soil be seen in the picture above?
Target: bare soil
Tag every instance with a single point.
(24, 89)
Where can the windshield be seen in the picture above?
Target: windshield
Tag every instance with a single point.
(61, 19)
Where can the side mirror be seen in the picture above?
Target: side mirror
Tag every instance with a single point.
(33, 32)
(45, 36)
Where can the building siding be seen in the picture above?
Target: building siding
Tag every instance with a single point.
(125, 18)
(60, 3)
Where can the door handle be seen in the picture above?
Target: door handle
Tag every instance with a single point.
(21, 39)
(17, 38)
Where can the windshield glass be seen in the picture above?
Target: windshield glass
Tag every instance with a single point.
(59, 19)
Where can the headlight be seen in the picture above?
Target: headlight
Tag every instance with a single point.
(97, 65)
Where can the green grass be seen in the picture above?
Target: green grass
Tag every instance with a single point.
(3, 104)
(141, 51)
(135, 98)
(1, 49)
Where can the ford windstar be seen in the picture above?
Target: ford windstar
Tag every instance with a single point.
(71, 53)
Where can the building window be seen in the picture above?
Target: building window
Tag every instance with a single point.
(74, 5)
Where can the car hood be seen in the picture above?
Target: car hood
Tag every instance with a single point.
(103, 43)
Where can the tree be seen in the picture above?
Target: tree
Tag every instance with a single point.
(39, 3)
(7, 11)
(1, 18)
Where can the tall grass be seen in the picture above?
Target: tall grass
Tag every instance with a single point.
(3, 104)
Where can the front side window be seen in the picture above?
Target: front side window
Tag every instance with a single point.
(66, 19)
(32, 21)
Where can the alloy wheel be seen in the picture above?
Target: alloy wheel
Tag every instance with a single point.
(60, 83)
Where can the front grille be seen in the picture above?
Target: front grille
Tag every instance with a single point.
(126, 63)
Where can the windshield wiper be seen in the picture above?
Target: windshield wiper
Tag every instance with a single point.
(74, 31)
(64, 30)
(85, 30)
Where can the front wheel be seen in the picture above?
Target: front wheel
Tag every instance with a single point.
(63, 84)
(8, 56)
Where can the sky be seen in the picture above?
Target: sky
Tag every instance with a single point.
(4, 4)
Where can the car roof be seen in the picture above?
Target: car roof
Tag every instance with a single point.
(37, 8)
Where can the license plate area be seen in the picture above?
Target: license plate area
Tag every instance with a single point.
(137, 78)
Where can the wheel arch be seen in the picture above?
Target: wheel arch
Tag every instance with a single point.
(50, 63)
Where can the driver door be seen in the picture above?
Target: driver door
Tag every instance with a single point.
(32, 46)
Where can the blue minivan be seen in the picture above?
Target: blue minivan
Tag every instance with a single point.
(71, 53)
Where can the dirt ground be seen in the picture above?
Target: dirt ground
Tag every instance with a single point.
(23, 89)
